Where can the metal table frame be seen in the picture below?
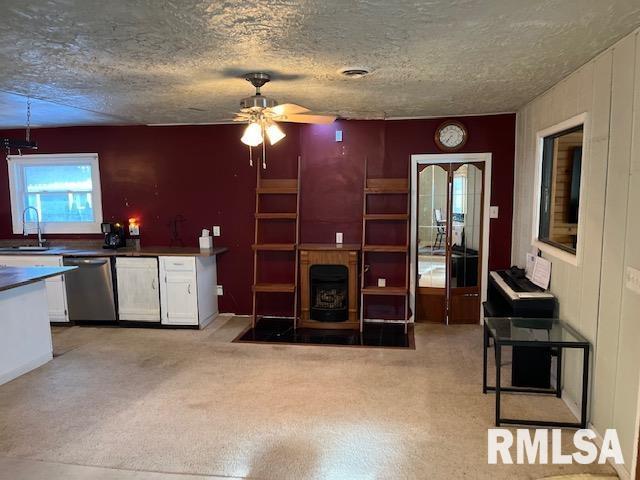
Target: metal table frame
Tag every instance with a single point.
(560, 345)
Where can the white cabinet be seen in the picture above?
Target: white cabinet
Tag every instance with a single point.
(138, 289)
(188, 290)
(56, 292)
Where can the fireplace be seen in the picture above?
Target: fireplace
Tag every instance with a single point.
(328, 286)
(329, 293)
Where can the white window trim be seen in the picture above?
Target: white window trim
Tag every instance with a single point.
(17, 201)
(555, 252)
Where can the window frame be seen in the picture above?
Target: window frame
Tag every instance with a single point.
(545, 246)
(15, 165)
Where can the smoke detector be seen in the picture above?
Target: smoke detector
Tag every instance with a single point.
(354, 72)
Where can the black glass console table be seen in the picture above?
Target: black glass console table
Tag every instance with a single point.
(534, 332)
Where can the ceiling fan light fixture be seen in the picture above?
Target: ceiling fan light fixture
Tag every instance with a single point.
(275, 133)
(252, 135)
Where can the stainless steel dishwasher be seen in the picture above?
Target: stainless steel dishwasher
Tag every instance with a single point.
(90, 294)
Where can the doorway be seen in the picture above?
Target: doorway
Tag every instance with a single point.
(449, 235)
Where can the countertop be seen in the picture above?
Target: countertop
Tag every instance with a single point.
(121, 252)
(12, 277)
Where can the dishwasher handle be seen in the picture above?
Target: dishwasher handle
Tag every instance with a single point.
(85, 261)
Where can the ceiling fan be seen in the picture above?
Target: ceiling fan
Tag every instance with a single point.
(262, 114)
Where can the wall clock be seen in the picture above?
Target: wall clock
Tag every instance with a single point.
(451, 136)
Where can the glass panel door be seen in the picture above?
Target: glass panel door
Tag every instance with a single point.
(433, 214)
(449, 244)
(465, 241)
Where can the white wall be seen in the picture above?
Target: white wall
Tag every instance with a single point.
(592, 295)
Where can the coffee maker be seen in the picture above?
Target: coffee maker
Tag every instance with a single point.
(113, 235)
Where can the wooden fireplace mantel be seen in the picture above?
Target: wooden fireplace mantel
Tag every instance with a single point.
(329, 254)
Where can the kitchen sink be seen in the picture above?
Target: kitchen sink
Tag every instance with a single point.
(24, 248)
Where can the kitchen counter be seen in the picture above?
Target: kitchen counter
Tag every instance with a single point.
(13, 277)
(121, 252)
(25, 333)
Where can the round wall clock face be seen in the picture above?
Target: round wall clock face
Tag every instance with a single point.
(451, 136)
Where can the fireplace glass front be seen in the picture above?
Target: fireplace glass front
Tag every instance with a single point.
(329, 293)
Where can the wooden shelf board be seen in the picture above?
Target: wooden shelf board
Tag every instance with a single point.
(276, 191)
(274, 247)
(351, 247)
(278, 183)
(275, 287)
(386, 191)
(276, 216)
(385, 248)
(386, 216)
(396, 291)
(387, 185)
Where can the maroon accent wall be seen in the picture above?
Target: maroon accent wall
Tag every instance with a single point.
(202, 173)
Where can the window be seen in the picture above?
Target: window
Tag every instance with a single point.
(459, 193)
(559, 194)
(63, 189)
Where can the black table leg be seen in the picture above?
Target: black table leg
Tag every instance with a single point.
(485, 343)
(498, 365)
(585, 387)
(559, 373)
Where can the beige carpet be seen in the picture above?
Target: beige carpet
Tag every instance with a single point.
(182, 401)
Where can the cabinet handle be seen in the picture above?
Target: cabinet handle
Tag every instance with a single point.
(153, 284)
(189, 288)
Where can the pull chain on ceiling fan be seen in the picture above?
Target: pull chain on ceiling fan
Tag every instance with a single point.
(262, 114)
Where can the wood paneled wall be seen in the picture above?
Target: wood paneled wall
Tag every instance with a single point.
(592, 295)
(562, 231)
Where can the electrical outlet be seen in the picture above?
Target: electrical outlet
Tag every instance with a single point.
(216, 231)
(382, 282)
(338, 237)
(134, 230)
(633, 280)
(493, 212)
(220, 291)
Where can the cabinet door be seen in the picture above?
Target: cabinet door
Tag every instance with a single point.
(138, 289)
(180, 306)
(56, 291)
(178, 292)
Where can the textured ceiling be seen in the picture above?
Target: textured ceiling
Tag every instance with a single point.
(152, 61)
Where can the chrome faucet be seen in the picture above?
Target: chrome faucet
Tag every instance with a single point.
(24, 224)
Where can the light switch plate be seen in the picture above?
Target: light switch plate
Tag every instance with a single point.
(338, 135)
(382, 282)
(220, 291)
(493, 212)
(338, 237)
(216, 231)
(633, 280)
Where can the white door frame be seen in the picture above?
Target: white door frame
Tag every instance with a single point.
(429, 159)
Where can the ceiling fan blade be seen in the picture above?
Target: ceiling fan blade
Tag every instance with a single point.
(240, 119)
(288, 109)
(317, 119)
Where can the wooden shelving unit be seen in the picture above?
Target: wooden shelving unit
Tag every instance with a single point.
(384, 186)
(280, 186)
